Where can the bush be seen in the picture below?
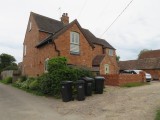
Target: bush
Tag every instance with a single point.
(7, 80)
(23, 78)
(45, 84)
(58, 71)
(18, 83)
(25, 84)
(34, 85)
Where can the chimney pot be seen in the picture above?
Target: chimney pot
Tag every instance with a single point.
(65, 18)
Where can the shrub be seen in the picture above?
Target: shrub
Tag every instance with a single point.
(45, 84)
(7, 80)
(25, 84)
(18, 83)
(34, 85)
(58, 71)
(23, 78)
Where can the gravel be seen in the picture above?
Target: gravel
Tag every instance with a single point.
(137, 103)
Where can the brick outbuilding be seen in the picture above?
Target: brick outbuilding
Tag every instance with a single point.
(46, 38)
(148, 61)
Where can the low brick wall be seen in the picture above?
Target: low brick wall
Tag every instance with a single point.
(120, 79)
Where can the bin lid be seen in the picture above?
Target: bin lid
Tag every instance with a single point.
(99, 78)
(66, 82)
(79, 81)
(88, 78)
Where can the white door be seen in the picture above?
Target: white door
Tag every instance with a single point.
(106, 67)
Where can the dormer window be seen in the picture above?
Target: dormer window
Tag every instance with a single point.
(111, 52)
(30, 26)
(74, 43)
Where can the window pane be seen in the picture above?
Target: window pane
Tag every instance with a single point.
(77, 38)
(74, 48)
(110, 52)
(74, 37)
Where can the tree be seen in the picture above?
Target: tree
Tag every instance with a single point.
(7, 62)
(117, 58)
(142, 51)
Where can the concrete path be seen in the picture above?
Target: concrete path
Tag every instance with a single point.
(138, 103)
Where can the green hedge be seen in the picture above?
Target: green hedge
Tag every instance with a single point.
(50, 83)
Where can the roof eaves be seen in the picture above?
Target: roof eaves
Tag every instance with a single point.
(45, 41)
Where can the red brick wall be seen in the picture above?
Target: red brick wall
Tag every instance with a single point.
(154, 73)
(31, 37)
(120, 79)
(42, 36)
(111, 61)
(97, 50)
(85, 56)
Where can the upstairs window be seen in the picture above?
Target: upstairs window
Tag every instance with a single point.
(30, 26)
(111, 52)
(74, 43)
(46, 65)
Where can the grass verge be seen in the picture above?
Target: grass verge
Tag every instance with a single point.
(157, 115)
(135, 84)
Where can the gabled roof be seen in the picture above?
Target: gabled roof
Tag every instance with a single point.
(57, 28)
(128, 65)
(141, 64)
(150, 54)
(97, 60)
(96, 40)
(46, 23)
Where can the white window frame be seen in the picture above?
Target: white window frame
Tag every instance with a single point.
(74, 43)
(30, 26)
(25, 49)
(111, 52)
(46, 65)
(106, 68)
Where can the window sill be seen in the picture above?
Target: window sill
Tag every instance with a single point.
(74, 53)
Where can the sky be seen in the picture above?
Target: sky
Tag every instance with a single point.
(136, 29)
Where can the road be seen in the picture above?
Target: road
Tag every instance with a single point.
(138, 103)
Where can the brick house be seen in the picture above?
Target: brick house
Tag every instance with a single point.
(46, 38)
(148, 61)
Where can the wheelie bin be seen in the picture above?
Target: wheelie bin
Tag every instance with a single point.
(80, 90)
(99, 84)
(66, 91)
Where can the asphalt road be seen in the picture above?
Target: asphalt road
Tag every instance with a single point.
(19, 105)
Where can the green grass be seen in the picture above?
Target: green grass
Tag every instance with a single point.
(157, 115)
(135, 84)
(3, 81)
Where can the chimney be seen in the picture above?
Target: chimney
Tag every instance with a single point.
(65, 18)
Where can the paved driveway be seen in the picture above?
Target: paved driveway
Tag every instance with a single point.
(139, 103)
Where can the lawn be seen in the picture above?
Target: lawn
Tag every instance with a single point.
(158, 115)
(135, 84)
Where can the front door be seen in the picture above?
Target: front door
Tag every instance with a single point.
(106, 67)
